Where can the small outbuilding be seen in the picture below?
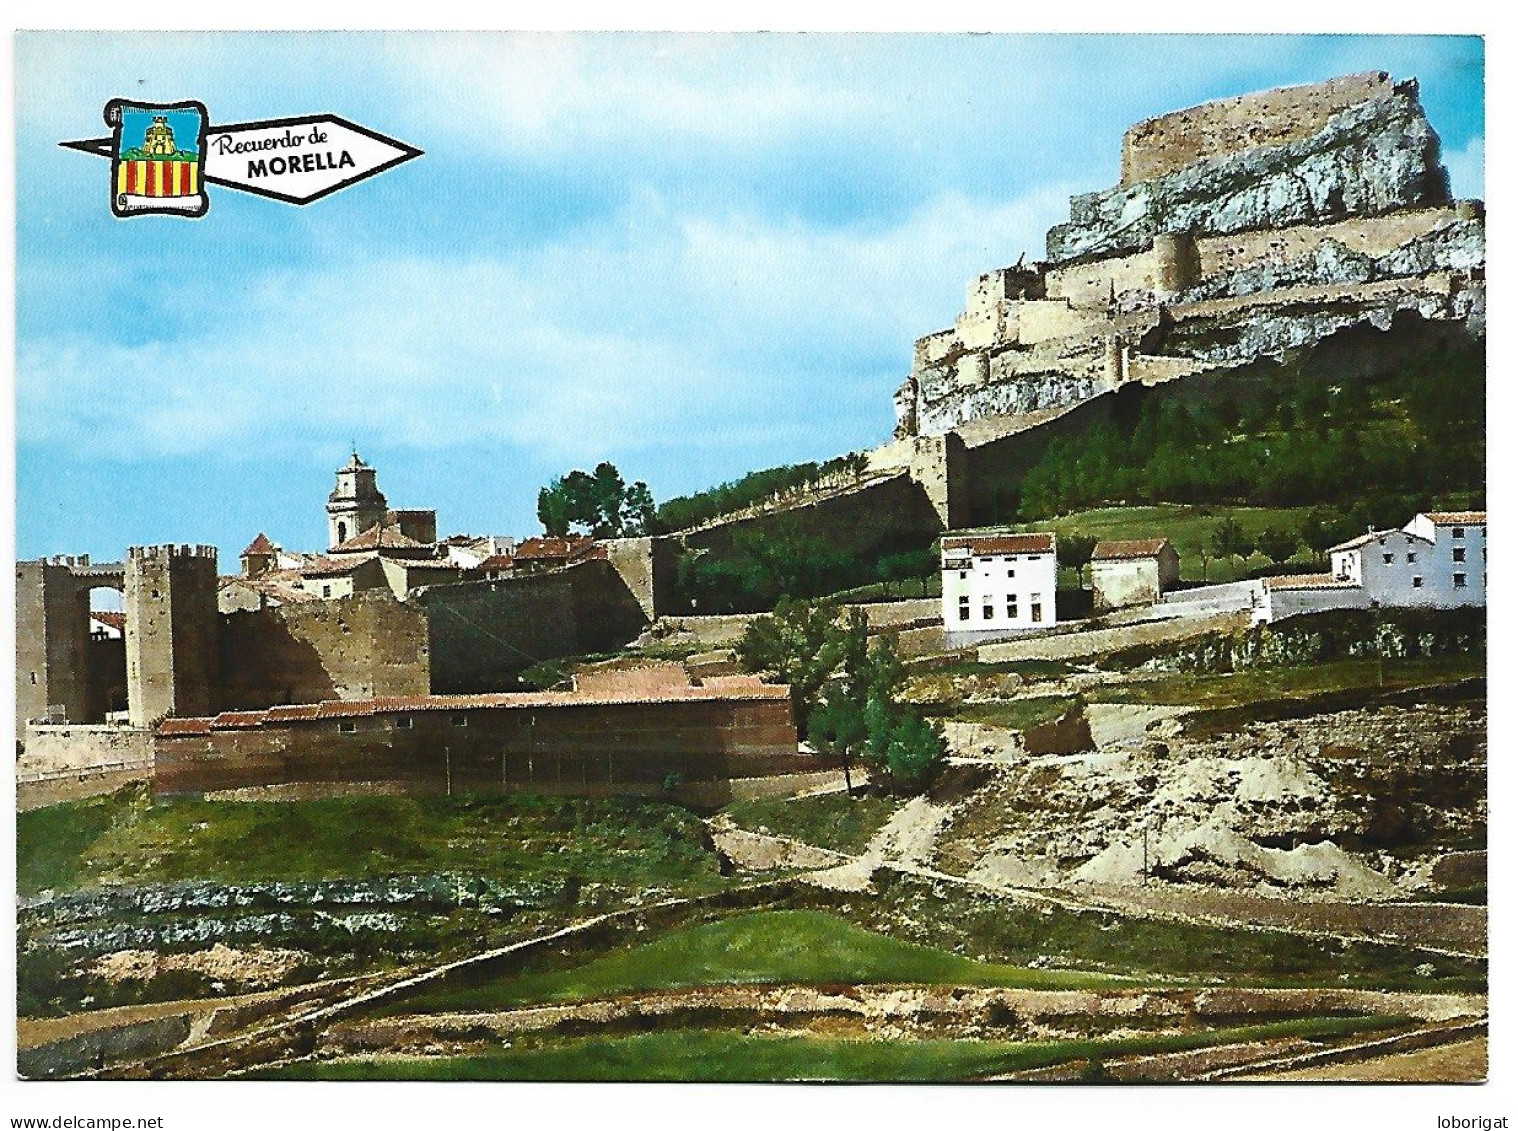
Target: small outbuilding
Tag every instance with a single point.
(1135, 572)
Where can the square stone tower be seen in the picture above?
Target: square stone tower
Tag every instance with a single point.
(173, 632)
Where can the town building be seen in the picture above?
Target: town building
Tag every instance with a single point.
(1134, 572)
(651, 731)
(1436, 561)
(997, 582)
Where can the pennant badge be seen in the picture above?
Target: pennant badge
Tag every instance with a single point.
(164, 154)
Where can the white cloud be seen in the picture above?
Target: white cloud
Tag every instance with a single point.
(551, 93)
(600, 344)
(1467, 169)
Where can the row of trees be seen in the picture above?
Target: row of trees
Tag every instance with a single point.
(846, 692)
(781, 558)
(1296, 441)
(687, 511)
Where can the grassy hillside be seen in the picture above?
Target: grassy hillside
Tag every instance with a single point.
(762, 948)
(833, 820)
(127, 839)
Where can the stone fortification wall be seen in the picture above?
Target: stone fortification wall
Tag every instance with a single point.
(1372, 158)
(1230, 125)
(351, 648)
(619, 749)
(60, 763)
(1096, 642)
(483, 634)
(889, 509)
(1091, 285)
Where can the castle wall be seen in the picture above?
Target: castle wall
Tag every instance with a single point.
(887, 511)
(1172, 141)
(482, 634)
(52, 633)
(172, 632)
(588, 750)
(1089, 285)
(69, 761)
(647, 567)
(352, 648)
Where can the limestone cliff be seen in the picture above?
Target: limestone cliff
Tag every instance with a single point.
(1240, 229)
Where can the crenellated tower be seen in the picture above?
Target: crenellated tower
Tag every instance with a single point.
(172, 637)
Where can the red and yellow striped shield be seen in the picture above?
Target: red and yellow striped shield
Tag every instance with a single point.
(158, 178)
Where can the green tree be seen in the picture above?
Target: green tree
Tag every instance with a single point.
(1074, 552)
(1277, 545)
(1229, 539)
(800, 645)
(598, 503)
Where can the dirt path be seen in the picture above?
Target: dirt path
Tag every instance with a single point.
(1450, 928)
(1463, 1062)
(905, 842)
(1123, 724)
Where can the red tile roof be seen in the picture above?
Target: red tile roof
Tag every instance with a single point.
(1308, 581)
(551, 548)
(1001, 543)
(1126, 550)
(115, 620)
(496, 561)
(237, 720)
(725, 688)
(185, 726)
(333, 567)
(1457, 518)
(259, 545)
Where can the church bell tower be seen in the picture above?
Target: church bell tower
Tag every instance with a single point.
(355, 504)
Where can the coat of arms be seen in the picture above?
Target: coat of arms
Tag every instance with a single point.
(158, 156)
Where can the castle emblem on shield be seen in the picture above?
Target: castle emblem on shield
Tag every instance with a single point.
(157, 158)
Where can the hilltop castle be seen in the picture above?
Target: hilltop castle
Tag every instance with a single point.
(1238, 229)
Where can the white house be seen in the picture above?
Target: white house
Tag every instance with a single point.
(1437, 560)
(997, 582)
(1456, 573)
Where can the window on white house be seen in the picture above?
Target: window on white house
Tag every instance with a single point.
(987, 613)
(1417, 583)
(1011, 573)
(1457, 532)
(1460, 553)
(1412, 558)
(1387, 558)
(1011, 609)
(1035, 611)
(1459, 581)
(326, 590)
(963, 574)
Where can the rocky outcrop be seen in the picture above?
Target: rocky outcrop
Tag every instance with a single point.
(1333, 213)
(1377, 157)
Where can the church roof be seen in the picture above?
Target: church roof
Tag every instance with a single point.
(377, 538)
(259, 545)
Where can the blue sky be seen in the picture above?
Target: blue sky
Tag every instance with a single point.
(692, 255)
